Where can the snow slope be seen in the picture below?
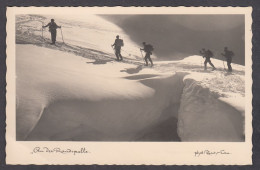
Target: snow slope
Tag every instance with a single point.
(76, 91)
(81, 94)
(88, 31)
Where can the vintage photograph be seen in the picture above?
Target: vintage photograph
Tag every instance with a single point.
(130, 77)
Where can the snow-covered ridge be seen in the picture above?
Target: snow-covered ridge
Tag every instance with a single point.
(77, 92)
(203, 116)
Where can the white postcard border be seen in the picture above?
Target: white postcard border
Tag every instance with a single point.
(126, 153)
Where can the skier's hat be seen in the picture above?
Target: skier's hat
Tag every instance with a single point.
(117, 36)
(52, 19)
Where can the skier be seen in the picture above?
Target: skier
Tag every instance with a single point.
(52, 28)
(148, 50)
(117, 47)
(228, 55)
(207, 55)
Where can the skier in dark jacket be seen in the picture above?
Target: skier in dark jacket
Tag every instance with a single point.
(148, 52)
(207, 55)
(117, 47)
(228, 55)
(52, 28)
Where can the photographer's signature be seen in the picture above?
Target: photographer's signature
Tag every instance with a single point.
(58, 150)
(210, 153)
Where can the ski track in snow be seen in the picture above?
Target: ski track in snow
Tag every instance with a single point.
(219, 83)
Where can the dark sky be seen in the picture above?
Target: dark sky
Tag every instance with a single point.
(178, 36)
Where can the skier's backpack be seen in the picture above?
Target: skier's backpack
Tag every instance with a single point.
(149, 48)
(230, 54)
(209, 54)
(120, 43)
(52, 26)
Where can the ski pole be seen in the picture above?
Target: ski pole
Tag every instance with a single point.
(202, 55)
(201, 63)
(42, 27)
(142, 55)
(42, 30)
(62, 35)
(126, 52)
(223, 63)
(112, 48)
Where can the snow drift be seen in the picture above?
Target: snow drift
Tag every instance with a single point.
(203, 117)
(86, 103)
